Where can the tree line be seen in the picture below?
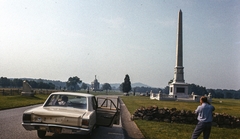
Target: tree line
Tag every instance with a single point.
(74, 82)
(146, 89)
(216, 93)
(17, 83)
(224, 93)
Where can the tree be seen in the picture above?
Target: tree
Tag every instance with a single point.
(17, 82)
(84, 86)
(212, 91)
(73, 82)
(4, 82)
(106, 86)
(120, 87)
(34, 84)
(166, 90)
(198, 90)
(51, 86)
(219, 95)
(228, 95)
(126, 85)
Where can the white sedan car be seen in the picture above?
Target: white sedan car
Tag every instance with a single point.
(72, 113)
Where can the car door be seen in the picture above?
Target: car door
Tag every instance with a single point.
(108, 111)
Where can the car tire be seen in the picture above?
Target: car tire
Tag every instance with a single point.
(41, 133)
(88, 136)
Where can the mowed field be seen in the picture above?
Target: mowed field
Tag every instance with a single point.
(150, 129)
(11, 97)
(163, 130)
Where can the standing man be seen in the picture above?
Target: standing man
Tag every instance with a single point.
(204, 112)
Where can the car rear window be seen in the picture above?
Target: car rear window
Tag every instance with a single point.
(67, 101)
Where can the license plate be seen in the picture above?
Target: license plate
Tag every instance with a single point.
(55, 129)
(66, 131)
(43, 128)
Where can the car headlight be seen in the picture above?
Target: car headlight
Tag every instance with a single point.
(26, 118)
(85, 122)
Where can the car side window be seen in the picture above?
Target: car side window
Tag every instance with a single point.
(94, 103)
(52, 101)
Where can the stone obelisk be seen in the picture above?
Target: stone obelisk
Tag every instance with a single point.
(178, 88)
(178, 74)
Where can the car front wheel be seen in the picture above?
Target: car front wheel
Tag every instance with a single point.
(88, 136)
(41, 133)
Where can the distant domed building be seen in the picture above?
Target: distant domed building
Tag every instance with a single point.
(95, 84)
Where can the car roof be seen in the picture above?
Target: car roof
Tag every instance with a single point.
(73, 93)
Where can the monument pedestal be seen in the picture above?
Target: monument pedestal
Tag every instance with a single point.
(178, 90)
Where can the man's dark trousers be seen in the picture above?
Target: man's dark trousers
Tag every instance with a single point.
(204, 127)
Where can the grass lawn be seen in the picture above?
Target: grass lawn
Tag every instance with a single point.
(163, 130)
(7, 102)
(151, 129)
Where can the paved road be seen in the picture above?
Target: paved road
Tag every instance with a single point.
(11, 128)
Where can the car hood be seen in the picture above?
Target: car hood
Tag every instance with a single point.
(57, 115)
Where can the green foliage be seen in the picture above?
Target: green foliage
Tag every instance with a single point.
(198, 90)
(134, 102)
(84, 86)
(17, 82)
(162, 130)
(5, 82)
(224, 93)
(106, 86)
(41, 84)
(126, 85)
(72, 83)
(158, 130)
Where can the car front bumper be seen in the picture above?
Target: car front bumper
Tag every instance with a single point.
(60, 129)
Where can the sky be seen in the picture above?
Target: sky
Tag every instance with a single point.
(58, 39)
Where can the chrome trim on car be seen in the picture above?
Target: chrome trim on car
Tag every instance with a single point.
(34, 126)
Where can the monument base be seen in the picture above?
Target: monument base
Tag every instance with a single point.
(178, 90)
(180, 95)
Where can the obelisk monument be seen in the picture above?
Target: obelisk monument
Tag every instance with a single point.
(178, 88)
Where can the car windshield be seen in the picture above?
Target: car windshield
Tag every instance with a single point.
(67, 101)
